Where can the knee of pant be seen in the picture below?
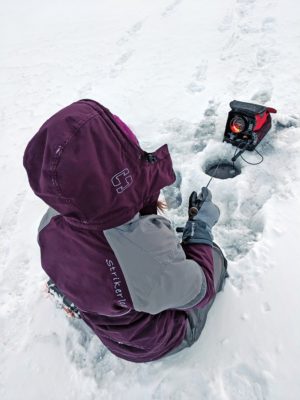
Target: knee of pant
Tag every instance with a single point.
(224, 276)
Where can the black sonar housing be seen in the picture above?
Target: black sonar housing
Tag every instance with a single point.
(247, 124)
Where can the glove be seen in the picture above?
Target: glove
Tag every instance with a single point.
(203, 215)
(201, 208)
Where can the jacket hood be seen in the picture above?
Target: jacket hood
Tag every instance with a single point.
(82, 164)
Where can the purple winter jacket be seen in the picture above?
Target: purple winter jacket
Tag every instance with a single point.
(96, 178)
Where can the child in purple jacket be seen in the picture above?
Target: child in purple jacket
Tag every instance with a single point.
(144, 294)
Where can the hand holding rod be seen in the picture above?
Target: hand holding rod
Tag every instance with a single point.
(196, 202)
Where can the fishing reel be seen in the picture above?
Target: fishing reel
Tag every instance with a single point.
(247, 124)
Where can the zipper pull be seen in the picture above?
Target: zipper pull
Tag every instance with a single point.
(150, 158)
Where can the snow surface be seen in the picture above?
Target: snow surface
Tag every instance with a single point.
(169, 68)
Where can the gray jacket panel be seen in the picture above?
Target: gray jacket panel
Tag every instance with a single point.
(155, 267)
(47, 218)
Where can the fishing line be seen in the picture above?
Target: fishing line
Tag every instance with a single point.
(213, 175)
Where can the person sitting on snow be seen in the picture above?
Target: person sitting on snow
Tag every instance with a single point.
(144, 294)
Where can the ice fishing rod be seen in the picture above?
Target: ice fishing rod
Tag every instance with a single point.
(198, 200)
(247, 124)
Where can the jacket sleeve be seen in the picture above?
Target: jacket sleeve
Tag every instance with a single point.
(157, 271)
(151, 205)
(202, 254)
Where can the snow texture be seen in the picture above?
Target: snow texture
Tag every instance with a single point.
(169, 68)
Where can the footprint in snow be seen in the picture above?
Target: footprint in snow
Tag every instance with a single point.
(262, 96)
(179, 136)
(133, 31)
(197, 85)
(248, 27)
(266, 307)
(287, 121)
(268, 25)
(170, 8)
(227, 22)
(183, 386)
(8, 224)
(191, 136)
(244, 383)
(85, 90)
(229, 45)
(86, 351)
(206, 128)
(265, 57)
(120, 63)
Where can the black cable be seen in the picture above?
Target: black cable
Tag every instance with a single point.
(248, 162)
(236, 150)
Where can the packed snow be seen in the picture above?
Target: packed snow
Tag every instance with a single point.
(169, 68)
